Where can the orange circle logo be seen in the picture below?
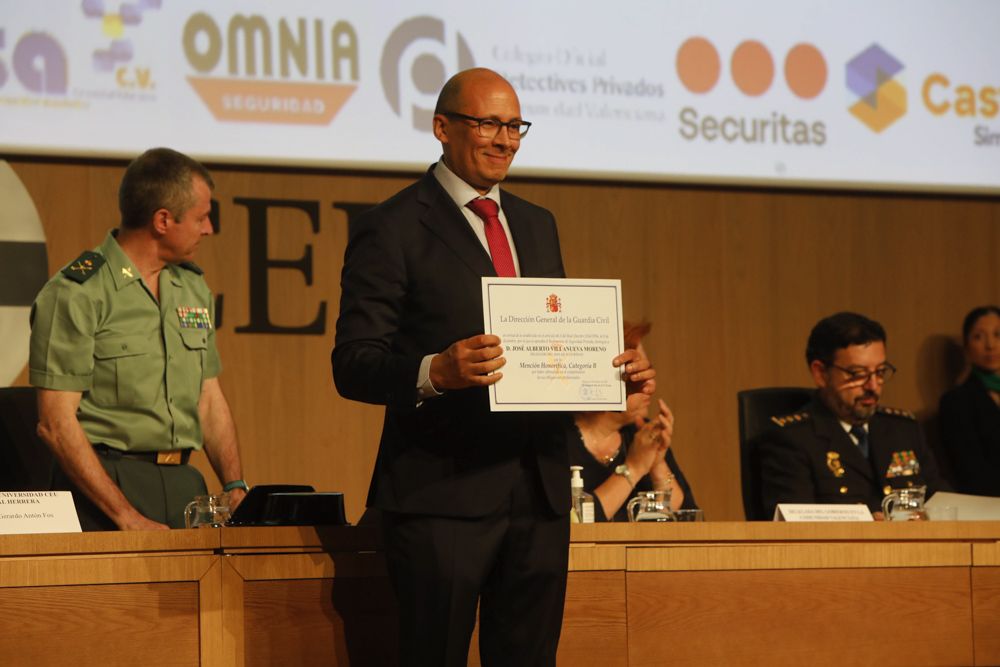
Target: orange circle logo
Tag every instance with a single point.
(698, 65)
(752, 68)
(805, 71)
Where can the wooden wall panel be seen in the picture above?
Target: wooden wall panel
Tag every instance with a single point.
(732, 279)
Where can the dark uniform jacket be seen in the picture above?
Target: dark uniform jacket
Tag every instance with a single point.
(810, 458)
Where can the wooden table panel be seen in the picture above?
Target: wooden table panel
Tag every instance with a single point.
(877, 616)
(986, 553)
(721, 532)
(798, 556)
(986, 612)
(305, 622)
(594, 630)
(595, 625)
(113, 625)
(110, 542)
(590, 557)
(102, 570)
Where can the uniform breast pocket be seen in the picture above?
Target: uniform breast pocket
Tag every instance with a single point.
(128, 371)
(195, 346)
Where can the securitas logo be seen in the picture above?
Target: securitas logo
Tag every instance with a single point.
(871, 76)
(753, 73)
(427, 72)
(289, 71)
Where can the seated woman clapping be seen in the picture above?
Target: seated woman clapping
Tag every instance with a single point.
(622, 453)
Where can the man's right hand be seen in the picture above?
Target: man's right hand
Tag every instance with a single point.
(136, 521)
(468, 363)
(59, 428)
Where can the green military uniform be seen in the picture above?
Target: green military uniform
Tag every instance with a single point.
(139, 364)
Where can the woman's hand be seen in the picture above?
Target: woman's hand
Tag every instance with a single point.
(651, 442)
(660, 474)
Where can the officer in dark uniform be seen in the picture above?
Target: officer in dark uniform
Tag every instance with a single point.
(843, 447)
(123, 355)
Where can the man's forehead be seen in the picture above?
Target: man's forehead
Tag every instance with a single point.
(485, 93)
(865, 354)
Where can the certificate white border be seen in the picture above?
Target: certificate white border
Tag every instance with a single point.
(497, 404)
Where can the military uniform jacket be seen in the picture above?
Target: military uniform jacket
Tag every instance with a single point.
(809, 458)
(138, 363)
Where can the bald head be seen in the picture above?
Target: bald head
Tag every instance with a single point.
(478, 156)
(457, 88)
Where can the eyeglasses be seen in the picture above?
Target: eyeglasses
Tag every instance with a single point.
(861, 375)
(488, 128)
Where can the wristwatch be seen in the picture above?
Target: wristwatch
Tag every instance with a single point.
(625, 472)
(235, 484)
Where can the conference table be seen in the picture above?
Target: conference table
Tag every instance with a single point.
(712, 593)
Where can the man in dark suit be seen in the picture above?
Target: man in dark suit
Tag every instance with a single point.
(474, 504)
(843, 447)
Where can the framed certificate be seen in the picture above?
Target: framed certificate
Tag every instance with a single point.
(559, 336)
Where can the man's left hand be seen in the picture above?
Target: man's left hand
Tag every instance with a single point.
(236, 497)
(640, 376)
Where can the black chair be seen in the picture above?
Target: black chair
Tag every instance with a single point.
(26, 464)
(757, 406)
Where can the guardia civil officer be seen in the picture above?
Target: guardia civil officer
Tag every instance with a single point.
(123, 355)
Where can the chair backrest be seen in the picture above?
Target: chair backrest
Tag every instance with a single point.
(26, 464)
(756, 407)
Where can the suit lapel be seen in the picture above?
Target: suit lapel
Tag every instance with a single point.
(832, 434)
(442, 217)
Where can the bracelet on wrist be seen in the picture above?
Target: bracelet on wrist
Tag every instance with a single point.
(624, 471)
(235, 484)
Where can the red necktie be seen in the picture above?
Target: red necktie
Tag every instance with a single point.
(496, 238)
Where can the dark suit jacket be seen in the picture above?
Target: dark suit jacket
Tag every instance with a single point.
(411, 287)
(970, 430)
(796, 458)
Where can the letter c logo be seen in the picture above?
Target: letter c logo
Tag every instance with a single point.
(427, 72)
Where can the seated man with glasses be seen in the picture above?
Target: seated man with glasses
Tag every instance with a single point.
(843, 447)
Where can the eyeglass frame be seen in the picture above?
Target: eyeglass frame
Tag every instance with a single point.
(867, 373)
(509, 125)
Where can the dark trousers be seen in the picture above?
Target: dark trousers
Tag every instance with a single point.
(513, 563)
(158, 492)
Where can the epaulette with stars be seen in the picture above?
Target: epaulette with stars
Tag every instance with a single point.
(82, 268)
(793, 418)
(896, 412)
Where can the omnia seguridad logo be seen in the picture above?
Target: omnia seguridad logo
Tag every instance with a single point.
(288, 71)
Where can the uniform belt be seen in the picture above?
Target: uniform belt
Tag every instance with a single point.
(166, 457)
